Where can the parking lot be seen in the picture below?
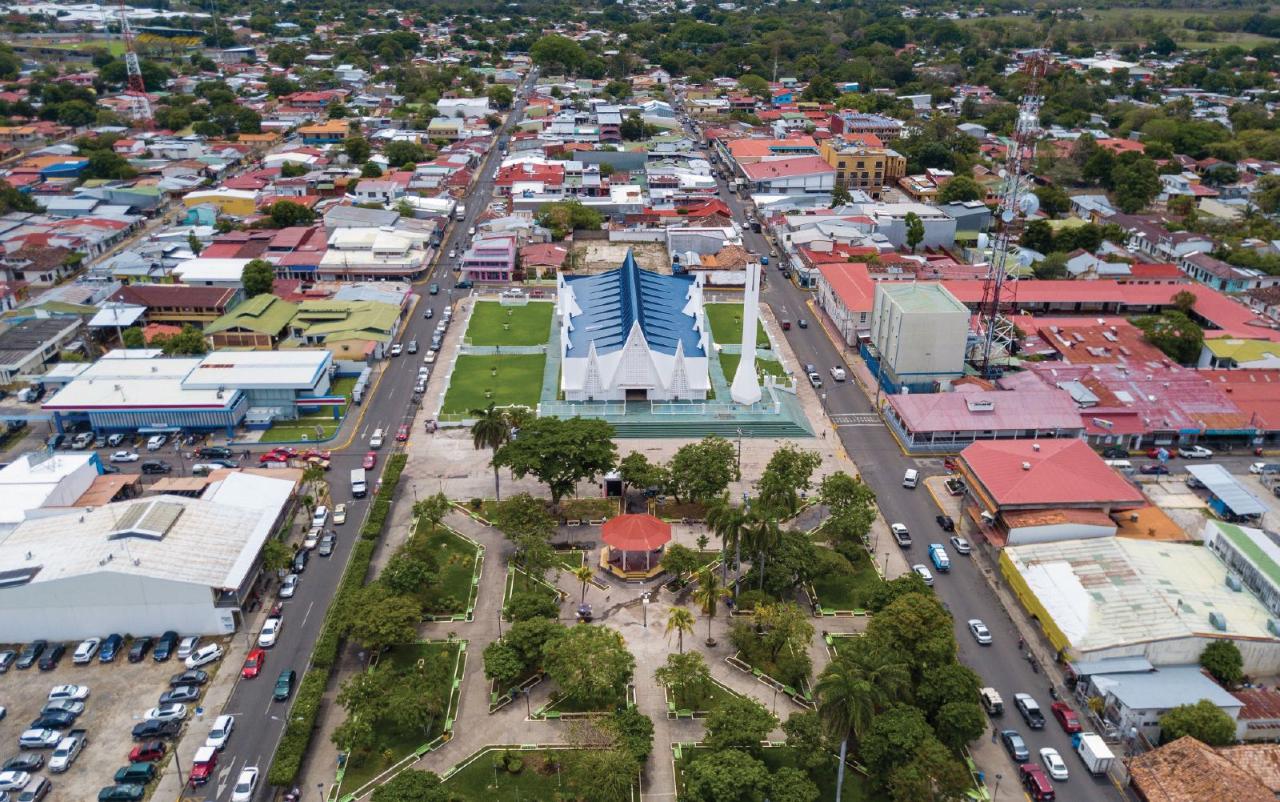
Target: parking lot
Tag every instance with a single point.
(120, 692)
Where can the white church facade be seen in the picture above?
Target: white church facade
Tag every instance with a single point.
(632, 335)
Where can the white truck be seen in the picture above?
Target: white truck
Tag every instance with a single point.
(459, 212)
(1095, 753)
(359, 483)
(67, 750)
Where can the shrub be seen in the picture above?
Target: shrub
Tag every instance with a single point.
(751, 599)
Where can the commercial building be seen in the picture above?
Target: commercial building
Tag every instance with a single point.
(919, 331)
(26, 347)
(945, 423)
(39, 480)
(1118, 597)
(864, 165)
(1251, 555)
(632, 335)
(790, 176)
(1134, 701)
(142, 566)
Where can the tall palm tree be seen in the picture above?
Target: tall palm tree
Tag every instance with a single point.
(491, 430)
(729, 524)
(707, 596)
(850, 690)
(762, 535)
(679, 620)
(583, 574)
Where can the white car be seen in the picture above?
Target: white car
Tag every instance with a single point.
(86, 650)
(1053, 763)
(961, 545)
(321, 516)
(924, 573)
(1195, 452)
(429, 359)
(75, 693)
(289, 586)
(312, 539)
(397, 349)
(204, 656)
(270, 632)
(340, 515)
(980, 632)
(221, 732)
(14, 780)
(245, 784)
(171, 712)
(125, 456)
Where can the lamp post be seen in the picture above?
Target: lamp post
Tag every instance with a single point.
(500, 617)
(739, 450)
(320, 788)
(824, 403)
(995, 795)
(528, 711)
(644, 603)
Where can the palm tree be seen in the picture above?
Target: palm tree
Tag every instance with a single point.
(583, 574)
(850, 691)
(729, 524)
(681, 621)
(707, 596)
(491, 430)
(762, 535)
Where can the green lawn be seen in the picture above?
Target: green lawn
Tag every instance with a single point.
(704, 702)
(518, 381)
(848, 591)
(520, 582)
(541, 777)
(856, 788)
(456, 557)
(305, 427)
(529, 324)
(772, 367)
(570, 560)
(113, 46)
(726, 325)
(361, 768)
(571, 705)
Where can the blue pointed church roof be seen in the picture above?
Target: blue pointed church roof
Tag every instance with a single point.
(611, 302)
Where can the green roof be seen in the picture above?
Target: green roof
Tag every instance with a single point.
(347, 320)
(1250, 549)
(263, 314)
(1243, 351)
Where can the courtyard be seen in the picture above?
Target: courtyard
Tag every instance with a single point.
(504, 379)
(495, 324)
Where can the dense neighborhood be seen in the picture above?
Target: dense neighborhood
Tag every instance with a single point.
(722, 402)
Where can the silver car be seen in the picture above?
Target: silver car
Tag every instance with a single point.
(289, 586)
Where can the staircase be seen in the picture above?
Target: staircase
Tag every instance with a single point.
(697, 429)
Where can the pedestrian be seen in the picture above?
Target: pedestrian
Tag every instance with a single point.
(1021, 642)
(993, 734)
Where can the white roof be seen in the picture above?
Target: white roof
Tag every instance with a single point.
(293, 368)
(223, 192)
(38, 478)
(210, 269)
(121, 315)
(120, 382)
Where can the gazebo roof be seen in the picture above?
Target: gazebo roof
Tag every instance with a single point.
(636, 532)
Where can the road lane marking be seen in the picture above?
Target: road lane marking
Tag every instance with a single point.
(307, 613)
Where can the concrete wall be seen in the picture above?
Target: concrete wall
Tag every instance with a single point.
(1056, 532)
(919, 346)
(105, 602)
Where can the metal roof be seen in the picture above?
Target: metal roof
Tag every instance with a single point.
(1223, 485)
(613, 302)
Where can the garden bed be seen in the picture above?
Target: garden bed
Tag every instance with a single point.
(518, 580)
(680, 510)
(563, 706)
(699, 707)
(461, 560)
(726, 325)
(764, 367)
(588, 509)
(800, 693)
(856, 787)
(487, 776)
(705, 558)
(845, 594)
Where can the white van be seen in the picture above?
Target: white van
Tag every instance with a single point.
(1122, 465)
(375, 441)
(911, 478)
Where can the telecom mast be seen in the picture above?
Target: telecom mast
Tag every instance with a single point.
(135, 87)
(1016, 201)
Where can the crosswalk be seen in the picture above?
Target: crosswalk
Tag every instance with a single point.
(856, 419)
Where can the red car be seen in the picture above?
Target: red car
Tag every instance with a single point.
(1154, 453)
(1066, 717)
(370, 459)
(253, 664)
(317, 454)
(147, 752)
(273, 456)
(402, 433)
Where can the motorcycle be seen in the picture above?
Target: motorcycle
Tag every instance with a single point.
(293, 795)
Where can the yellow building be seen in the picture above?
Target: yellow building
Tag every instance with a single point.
(232, 202)
(862, 166)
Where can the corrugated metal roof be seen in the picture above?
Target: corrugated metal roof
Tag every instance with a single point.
(613, 302)
(1223, 485)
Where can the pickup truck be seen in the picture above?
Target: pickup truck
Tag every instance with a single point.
(67, 750)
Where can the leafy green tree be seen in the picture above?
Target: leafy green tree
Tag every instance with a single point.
(788, 472)
(187, 342)
(738, 723)
(403, 154)
(1175, 334)
(557, 52)
(679, 621)
(276, 555)
(108, 164)
(807, 739)
(707, 596)
(502, 664)
(1053, 200)
(407, 574)
(756, 86)
(377, 617)
(501, 96)
(679, 559)
(524, 517)
(916, 628)
(729, 522)
(590, 663)
(527, 605)
(285, 214)
(851, 507)
(958, 723)
(915, 230)
(1222, 659)
(840, 196)
(1184, 301)
(632, 731)
(412, 786)
(492, 429)
(638, 472)
(726, 776)
(14, 200)
(1204, 721)
(792, 785)
(1038, 236)
(892, 738)
(560, 453)
(702, 471)
(565, 217)
(529, 638)
(931, 774)
(961, 188)
(687, 678)
(1136, 182)
(357, 149)
(257, 277)
(1052, 266)
(134, 338)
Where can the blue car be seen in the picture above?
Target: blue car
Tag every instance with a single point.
(110, 648)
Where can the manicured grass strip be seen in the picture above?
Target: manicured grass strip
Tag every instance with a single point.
(518, 380)
(848, 591)
(495, 324)
(729, 364)
(726, 325)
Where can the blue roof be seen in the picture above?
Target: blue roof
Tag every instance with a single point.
(611, 302)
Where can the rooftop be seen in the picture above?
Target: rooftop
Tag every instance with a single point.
(295, 368)
(262, 314)
(1164, 688)
(1189, 771)
(995, 410)
(921, 297)
(1046, 473)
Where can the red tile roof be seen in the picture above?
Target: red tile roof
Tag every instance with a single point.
(787, 168)
(851, 283)
(1057, 473)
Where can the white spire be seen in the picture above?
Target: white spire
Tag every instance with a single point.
(746, 385)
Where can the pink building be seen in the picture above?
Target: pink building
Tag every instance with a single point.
(491, 259)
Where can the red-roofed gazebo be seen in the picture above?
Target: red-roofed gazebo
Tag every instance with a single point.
(633, 545)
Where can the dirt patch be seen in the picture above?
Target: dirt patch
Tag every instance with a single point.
(120, 693)
(591, 256)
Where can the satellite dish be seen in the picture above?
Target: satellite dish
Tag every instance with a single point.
(982, 242)
(1003, 173)
(1007, 215)
(1028, 204)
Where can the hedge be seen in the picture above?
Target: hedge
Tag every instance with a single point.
(306, 705)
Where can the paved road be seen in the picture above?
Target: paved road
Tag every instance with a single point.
(259, 720)
(964, 590)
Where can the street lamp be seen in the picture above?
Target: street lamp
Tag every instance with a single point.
(739, 449)
(824, 403)
(320, 788)
(528, 711)
(644, 603)
(996, 792)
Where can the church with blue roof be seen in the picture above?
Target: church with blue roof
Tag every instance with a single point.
(632, 335)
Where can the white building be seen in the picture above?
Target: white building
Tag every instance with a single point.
(920, 330)
(470, 107)
(632, 335)
(38, 479)
(142, 566)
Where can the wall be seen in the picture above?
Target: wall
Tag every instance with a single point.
(919, 346)
(1056, 532)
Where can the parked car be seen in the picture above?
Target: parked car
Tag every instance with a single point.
(39, 739)
(139, 648)
(327, 544)
(135, 774)
(980, 632)
(57, 720)
(114, 440)
(340, 515)
(284, 685)
(961, 545)
(1067, 718)
(7, 657)
(63, 706)
(900, 534)
(188, 645)
(1115, 452)
(1053, 763)
(221, 732)
(156, 466)
(27, 761)
(30, 654)
(125, 456)
(289, 586)
(947, 524)
(67, 750)
(402, 433)
(14, 780)
(1195, 452)
(923, 572)
(110, 648)
(213, 452)
(39, 788)
(166, 712)
(300, 561)
(52, 657)
(397, 349)
(205, 655)
(1015, 746)
(122, 793)
(253, 664)
(85, 651)
(1154, 469)
(179, 695)
(165, 646)
(815, 380)
(270, 632)
(193, 677)
(147, 752)
(312, 538)
(75, 693)
(412, 347)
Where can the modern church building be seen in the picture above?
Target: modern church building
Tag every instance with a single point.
(632, 335)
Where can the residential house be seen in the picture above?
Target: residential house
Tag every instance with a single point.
(179, 304)
(326, 133)
(259, 324)
(352, 331)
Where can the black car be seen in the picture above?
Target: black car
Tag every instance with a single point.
(1115, 452)
(139, 649)
(180, 694)
(156, 729)
(193, 677)
(213, 452)
(300, 561)
(58, 720)
(946, 523)
(110, 648)
(31, 653)
(154, 466)
(165, 646)
(52, 657)
(27, 761)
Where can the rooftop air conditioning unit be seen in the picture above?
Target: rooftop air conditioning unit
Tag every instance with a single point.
(1026, 466)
